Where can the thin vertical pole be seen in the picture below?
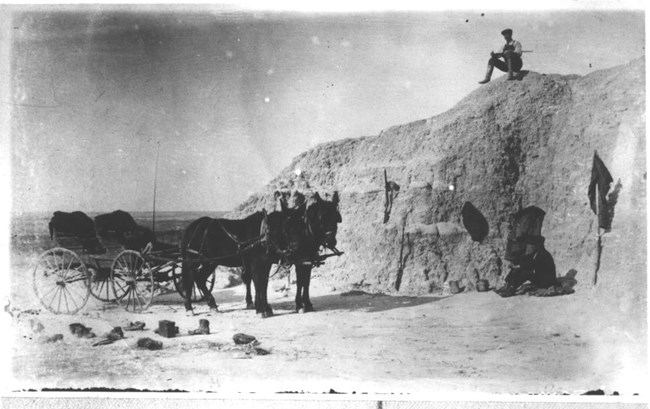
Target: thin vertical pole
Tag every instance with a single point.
(597, 236)
(155, 185)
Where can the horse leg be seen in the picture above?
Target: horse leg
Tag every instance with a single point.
(304, 276)
(260, 271)
(187, 280)
(201, 281)
(246, 278)
(305, 290)
(299, 288)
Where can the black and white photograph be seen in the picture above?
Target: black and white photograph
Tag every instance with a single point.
(393, 202)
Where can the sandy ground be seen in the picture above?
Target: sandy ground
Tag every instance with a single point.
(417, 346)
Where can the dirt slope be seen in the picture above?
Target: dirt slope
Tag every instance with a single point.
(507, 144)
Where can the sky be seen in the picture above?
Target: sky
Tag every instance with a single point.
(222, 98)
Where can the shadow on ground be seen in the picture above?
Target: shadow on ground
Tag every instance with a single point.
(360, 301)
(229, 300)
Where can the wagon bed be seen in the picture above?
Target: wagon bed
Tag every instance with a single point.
(65, 276)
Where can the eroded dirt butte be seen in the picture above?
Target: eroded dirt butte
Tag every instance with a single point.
(507, 145)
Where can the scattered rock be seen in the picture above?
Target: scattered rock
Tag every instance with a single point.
(81, 331)
(261, 351)
(135, 326)
(243, 339)
(52, 339)
(36, 326)
(482, 286)
(454, 287)
(114, 335)
(149, 343)
(204, 328)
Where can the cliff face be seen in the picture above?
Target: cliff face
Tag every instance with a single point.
(507, 145)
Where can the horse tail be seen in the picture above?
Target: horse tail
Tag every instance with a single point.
(188, 262)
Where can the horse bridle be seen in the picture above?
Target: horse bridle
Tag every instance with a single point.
(320, 241)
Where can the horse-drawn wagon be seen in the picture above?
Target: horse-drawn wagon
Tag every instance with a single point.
(80, 265)
(65, 276)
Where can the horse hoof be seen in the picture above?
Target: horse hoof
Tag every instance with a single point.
(250, 306)
(301, 310)
(214, 309)
(309, 308)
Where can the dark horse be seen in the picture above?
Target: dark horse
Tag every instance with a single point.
(255, 243)
(321, 219)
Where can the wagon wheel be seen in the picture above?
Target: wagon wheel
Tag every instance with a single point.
(100, 284)
(132, 281)
(196, 293)
(61, 281)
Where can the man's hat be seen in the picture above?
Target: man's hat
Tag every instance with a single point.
(507, 31)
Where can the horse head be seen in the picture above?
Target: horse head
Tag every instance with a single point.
(322, 218)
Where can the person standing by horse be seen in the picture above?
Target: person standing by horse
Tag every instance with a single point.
(508, 60)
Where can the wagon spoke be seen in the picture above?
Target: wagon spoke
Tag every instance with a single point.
(61, 267)
(64, 291)
(56, 267)
(137, 297)
(108, 289)
(49, 264)
(55, 287)
(124, 292)
(58, 308)
(127, 296)
(68, 268)
(76, 294)
(100, 286)
(72, 298)
(133, 296)
(54, 296)
(104, 284)
(124, 288)
(122, 266)
(78, 275)
(59, 264)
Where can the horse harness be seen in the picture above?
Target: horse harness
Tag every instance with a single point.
(264, 239)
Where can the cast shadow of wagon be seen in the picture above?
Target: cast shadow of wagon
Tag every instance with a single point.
(362, 301)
